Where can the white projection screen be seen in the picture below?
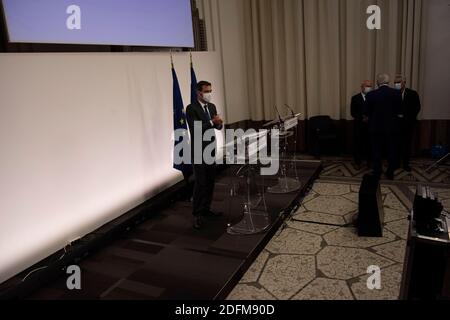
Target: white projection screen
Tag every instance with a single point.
(157, 23)
(84, 138)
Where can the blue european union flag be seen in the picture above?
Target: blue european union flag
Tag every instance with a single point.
(179, 122)
(193, 85)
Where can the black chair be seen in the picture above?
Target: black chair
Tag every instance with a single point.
(323, 136)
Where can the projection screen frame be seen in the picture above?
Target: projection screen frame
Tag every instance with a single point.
(104, 44)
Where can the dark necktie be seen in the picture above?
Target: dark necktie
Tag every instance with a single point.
(205, 108)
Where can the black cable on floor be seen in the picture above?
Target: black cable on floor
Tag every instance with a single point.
(351, 224)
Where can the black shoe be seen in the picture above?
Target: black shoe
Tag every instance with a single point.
(390, 175)
(198, 223)
(210, 213)
(377, 175)
(407, 168)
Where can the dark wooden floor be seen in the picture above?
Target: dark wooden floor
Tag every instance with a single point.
(166, 259)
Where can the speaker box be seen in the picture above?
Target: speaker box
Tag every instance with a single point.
(427, 212)
(371, 214)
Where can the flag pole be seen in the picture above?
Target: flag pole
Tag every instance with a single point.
(190, 54)
(171, 58)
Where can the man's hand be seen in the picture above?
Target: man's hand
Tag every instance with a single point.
(217, 121)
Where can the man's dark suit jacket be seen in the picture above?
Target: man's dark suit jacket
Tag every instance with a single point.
(194, 113)
(357, 107)
(383, 109)
(410, 106)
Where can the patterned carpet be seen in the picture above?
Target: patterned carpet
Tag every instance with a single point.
(346, 169)
(324, 259)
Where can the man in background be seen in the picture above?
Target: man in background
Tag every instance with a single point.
(383, 110)
(408, 119)
(203, 114)
(361, 147)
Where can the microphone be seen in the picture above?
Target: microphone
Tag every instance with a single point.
(279, 115)
(292, 111)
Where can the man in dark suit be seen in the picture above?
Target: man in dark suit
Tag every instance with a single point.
(361, 148)
(408, 119)
(383, 110)
(203, 119)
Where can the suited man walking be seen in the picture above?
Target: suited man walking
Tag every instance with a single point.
(203, 114)
(408, 120)
(383, 110)
(361, 130)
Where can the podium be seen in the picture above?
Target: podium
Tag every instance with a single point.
(247, 184)
(288, 180)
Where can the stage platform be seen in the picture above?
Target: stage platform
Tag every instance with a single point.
(164, 258)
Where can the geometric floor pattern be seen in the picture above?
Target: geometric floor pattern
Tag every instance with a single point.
(318, 255)
(345, 168)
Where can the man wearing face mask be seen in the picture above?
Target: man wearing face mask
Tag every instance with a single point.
(361, 129)
(408, 119)
(203, 114)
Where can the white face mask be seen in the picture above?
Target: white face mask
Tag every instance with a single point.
(398, 86)
(207, 97)
(367, 90)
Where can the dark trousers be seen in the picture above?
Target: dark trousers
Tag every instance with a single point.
(362, 149)
(405, 141)
(380, 140)
(205, 176)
